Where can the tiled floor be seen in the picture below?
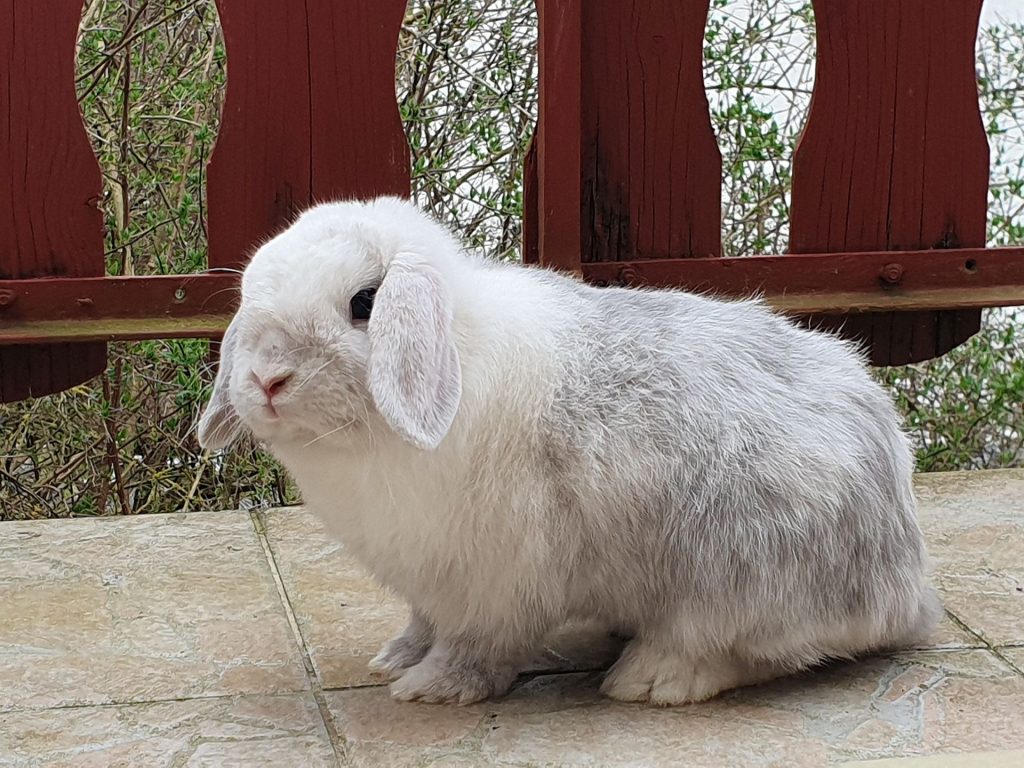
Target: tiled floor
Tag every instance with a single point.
(230, 639)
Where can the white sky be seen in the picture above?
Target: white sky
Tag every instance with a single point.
(1008, 9)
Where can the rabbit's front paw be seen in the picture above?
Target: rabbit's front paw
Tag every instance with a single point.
(437, 680)
(404, 650)
(397, 655)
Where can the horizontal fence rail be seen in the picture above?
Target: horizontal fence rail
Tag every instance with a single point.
(134, 308)
(622, 183)
(116, 308)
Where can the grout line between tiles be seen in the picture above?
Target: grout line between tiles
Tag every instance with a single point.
(286, 603)
(147, 702)
(1008, 662)
(995, 651)
(259, 524)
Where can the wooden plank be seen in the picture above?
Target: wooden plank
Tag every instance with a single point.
(793, 302)
(127, 329)
(91, 298)
(309, 115)
(530, 246)
(627, 165)
(359, 147)
(49, 183)
(258, 176)
(894, 154)
(651, 170)
(848, 282)
(200, 305)
(558, 208)
(117, 308)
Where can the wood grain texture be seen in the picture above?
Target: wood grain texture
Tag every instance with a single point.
(848, 282)
(652, 169)
(310, 115)
(98, 299)
(558, 209)
(894, 155)
(50, 183)
(627, 165)
(180, 306)
(531, 213)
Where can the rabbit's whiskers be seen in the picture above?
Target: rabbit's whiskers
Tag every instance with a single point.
(306, 380)
(348, 423)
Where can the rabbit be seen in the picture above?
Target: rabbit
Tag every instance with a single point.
(508, 448)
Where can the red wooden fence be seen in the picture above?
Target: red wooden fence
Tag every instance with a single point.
(50, 186)
(623, 180)
(894, 155)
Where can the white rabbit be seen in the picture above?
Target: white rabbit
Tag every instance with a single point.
(508, 448)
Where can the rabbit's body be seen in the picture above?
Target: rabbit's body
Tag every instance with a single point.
(730, 490)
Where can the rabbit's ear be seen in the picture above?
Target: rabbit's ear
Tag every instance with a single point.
(220, 426)
(415, 378)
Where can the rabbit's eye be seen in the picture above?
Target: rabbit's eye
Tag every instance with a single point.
(362, 303)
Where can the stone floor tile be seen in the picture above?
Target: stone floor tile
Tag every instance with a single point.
(396, 756)
(949, 635)
(970, 497)
(137, 609)
(974, 523)
(140, 609)
(378, 731)
(252, 731)
(1014, 656)
(345, 617)
(914, 703)
(1008, 759)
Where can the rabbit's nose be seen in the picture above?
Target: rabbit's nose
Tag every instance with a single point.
(272, 385)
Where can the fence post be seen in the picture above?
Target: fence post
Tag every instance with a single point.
(309, 115)
(50, 185)
(627, 165)
(894, 154)
(558, 134)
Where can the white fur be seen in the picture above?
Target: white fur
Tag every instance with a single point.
(731, 490)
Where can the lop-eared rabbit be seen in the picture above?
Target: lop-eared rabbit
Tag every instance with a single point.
(507, 449)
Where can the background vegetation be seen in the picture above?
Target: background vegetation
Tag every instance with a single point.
(151, 79)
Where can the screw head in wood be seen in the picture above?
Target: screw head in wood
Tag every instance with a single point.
(892, 273)
(628, 276)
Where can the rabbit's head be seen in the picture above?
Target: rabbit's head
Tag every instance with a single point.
(345, 320)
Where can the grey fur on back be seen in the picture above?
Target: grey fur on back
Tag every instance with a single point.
(768, 494)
